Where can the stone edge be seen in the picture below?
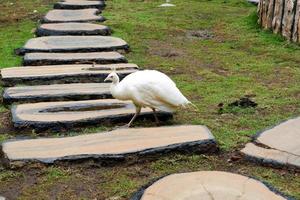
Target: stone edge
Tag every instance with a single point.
(125, 47)
(57, 126)
(39, 62)
(77, 78)
(40, 32)
(198, 146)
(7, 99)
(96, 13)
(268, 162)
(59, 5)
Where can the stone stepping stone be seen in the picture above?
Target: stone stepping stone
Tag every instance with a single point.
(83, 15)
(64, 44)
(256, 2)
(56, 92)
(278, 146)
(54, 74)
(207, 185)
(79, 4)
(33, 59)
(68, 114)
(72, 29)
(116, 144)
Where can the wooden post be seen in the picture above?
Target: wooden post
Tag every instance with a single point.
(281, 16)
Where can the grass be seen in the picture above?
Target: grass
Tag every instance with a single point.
(239, 60)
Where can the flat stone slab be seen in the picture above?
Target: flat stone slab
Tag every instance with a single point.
(54, 74)
(82, 15)
(56, 29)
(119, 143)
(56, 92)
(33, 59)
(256, 2)
(207, 185)
(278, 146)
(68, 114)
(63, 44)
(79, 4)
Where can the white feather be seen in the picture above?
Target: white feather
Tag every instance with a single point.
(149, 88)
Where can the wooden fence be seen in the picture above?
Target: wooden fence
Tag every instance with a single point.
(281, 16)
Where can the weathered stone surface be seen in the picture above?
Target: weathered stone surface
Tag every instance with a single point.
(62, 74)
(33, 59)
(256, 2)
(279, 145)
(83, 15)
(207, 185)
(271, 156)
(79, 4)
(56, 92)
(65, 44)
(55, 115)
(119, 143)
(72, 29)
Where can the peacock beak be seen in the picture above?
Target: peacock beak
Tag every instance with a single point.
(107, 79)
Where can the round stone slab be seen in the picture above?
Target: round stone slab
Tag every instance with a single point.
(79, 4)
(56, 92)
(279, 145)
(119, 143)
(72, 29)
(63, 74)
(68, 114)
(62, 44)
(33, 59)
(83, 15)
(207, 185)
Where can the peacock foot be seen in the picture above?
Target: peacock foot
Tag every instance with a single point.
(123, 127)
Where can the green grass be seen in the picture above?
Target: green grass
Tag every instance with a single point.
(240, 59)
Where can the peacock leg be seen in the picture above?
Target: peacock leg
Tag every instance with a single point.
(137, 112)
(155, 116)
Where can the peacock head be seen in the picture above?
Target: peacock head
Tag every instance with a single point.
(113, 77)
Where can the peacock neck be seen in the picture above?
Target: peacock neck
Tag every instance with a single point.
(118, 92)
(116, 80)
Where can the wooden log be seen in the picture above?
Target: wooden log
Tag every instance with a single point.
(296, 23)
(288, 17)
(265, 4)
(270, 14)
(278, 14)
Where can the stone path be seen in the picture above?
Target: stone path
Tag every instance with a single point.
(72, 29)
(63, 87)
(207, 185)
(57, 92)
(278, 146)
(83, 15)
(68, 114)
(32, 59)
(74, 44)
(63, 73)
(133, 142)
(79, 4)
